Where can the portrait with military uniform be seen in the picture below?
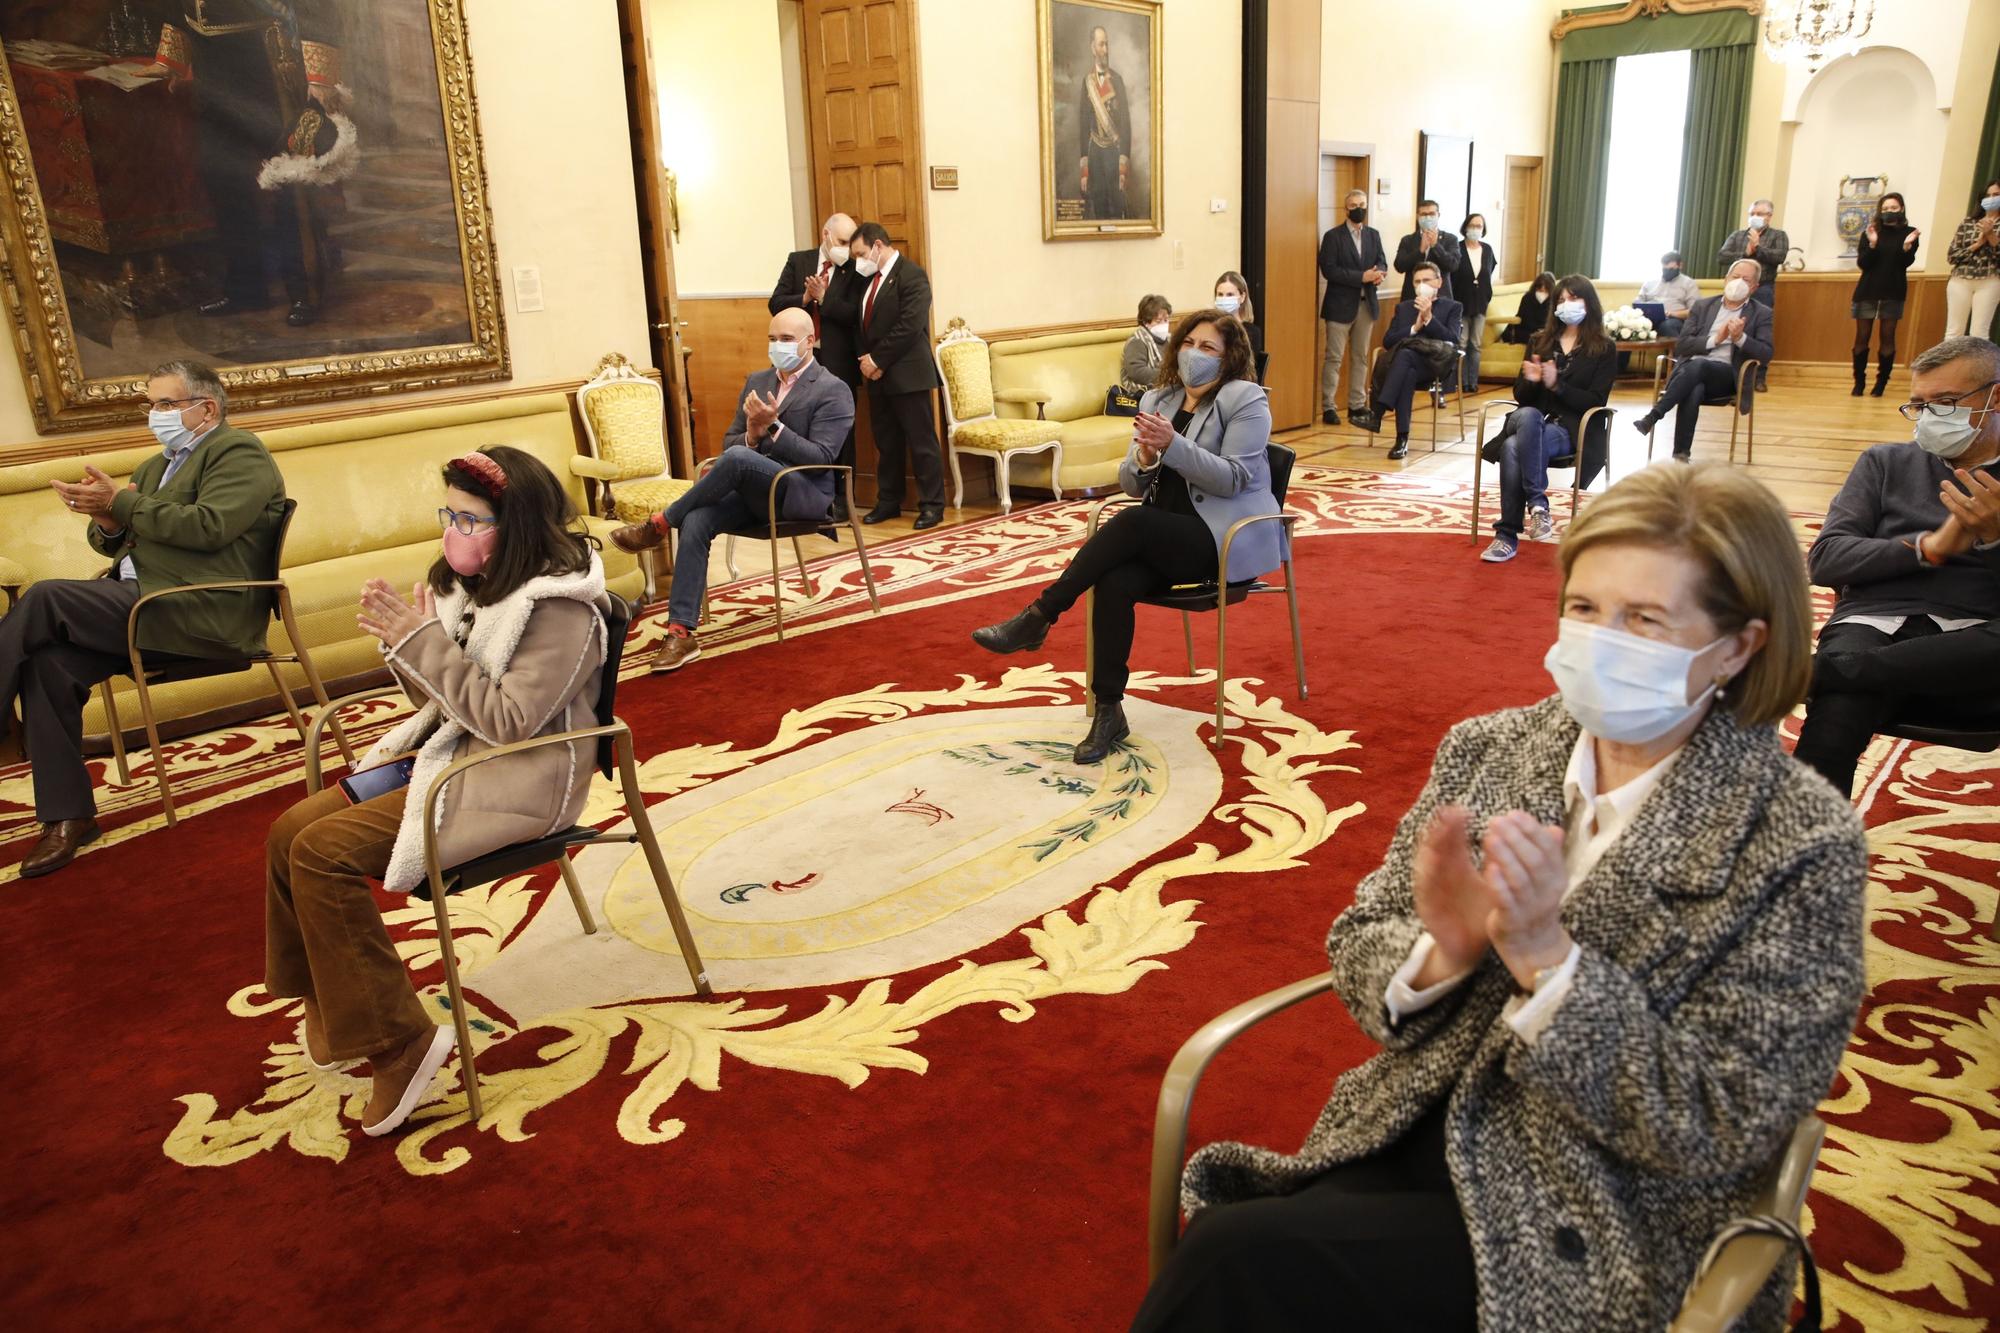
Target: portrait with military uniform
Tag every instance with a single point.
(254, 184)
(1100, 106)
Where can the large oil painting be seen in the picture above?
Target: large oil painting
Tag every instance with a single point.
(1099, 64)
(290, 190)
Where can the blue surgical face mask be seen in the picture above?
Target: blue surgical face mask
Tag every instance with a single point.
(1198, 368)
(1570, 312)
(1991, 203)
(1229, 305)
(169, 429)
(785, 356)
(1428, 224)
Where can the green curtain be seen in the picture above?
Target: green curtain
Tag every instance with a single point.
(1718, 117)
(1986, 167)
(1579, 162)
(1668, 32)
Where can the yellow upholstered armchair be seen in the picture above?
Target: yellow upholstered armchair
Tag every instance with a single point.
(624, 425)
(971, 427)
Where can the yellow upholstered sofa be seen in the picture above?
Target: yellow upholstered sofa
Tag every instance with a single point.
(1500, 362)
(368, 490)
(1063, 377)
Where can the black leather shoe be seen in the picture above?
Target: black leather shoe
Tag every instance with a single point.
(837, 514)
(882, 514)
(1643, 424)
(1370, 420)
(1329, 418)
(59, 845)
(228, 305)
(1024, 633)
(1106, 730)
(1400, 449)
(929, 517)
(302, 314)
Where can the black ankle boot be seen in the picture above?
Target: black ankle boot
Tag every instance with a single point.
(1023, 633)
(1882, 369)
(1106, 730)
(1860, 373)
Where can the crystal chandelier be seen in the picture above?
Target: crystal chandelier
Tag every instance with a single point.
(1812, 32)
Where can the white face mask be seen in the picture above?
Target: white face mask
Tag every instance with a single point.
(836, 255)
(1159, 330)
(1949, 435)
(865, 266)
(1474, 233)
(1229, 305)
(1758, 223)
(1427, 290)
(1620, 687)
(1735, 290)
(171, 430)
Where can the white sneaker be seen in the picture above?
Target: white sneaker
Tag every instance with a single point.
(1501, 551)
(1540, 526)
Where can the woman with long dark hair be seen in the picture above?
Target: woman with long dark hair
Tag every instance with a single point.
(503, 641)
(1569, 369)
(1532, 313)
(1887, 248)
(1198, 460)
(1972, 293)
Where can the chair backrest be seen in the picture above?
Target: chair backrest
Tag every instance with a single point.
(1279, 459)
(1263, 367)
(617, 623)
(966, 367)
(624, 418)
(274, 562)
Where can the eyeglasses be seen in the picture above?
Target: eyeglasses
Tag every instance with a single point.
(1943, 407)
(467, 524)
(169, 404)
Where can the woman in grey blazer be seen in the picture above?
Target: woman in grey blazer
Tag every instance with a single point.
(1198, 459)
(1612, 957)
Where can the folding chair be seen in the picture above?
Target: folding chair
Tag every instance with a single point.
(1746, 415)
(144, 677)
(1438, 390)
(1573, 459)
(1730, 1277)
(775, 528)
(1215, 595)
(614, 739)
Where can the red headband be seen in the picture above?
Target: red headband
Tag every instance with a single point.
(486, 471)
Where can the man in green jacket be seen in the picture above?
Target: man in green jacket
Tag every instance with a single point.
(205, 509)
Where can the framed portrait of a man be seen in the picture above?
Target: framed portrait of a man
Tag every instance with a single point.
(1100, 105)
(289, 190)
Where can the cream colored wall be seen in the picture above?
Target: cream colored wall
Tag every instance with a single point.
(989, 264)
(720, 75)
(559, 176)
(1487, 73)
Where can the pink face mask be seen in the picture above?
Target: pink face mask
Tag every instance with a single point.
(468, 555)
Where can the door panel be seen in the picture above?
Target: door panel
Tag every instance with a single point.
(861, 94)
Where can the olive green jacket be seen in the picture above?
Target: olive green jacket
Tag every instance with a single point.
(216, 520)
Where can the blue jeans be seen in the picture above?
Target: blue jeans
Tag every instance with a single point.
(1524, 467)
(732, 496)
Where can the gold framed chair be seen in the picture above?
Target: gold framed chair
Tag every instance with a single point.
(144, 677)
(1571, 460)
(614, 747)
(1214, 595)
(1731, 1275)
(624, 428)
(775, 528)
(972, 425)
(1744, 415)
(1438, 390)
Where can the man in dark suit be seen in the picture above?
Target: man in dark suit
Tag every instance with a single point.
(1427, 244)
(821, 282)
(1104, 133)
(892, 321)
(1353, 263)
(1721, 332)
(1427, 315)
(794, 413)
(206, 509)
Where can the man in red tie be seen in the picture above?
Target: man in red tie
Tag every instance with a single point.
(822, 283)
(893, 333)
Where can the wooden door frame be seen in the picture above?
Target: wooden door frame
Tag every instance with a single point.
(1540, 163)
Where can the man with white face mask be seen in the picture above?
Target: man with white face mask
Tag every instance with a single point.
(205, 509)
(1912, 542)
(1719, 335)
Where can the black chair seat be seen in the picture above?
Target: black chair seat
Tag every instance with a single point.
(508, 861)
(1201, 596)
(1983, 741)
(196, 668)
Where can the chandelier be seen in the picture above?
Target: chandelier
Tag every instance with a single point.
(1812, 32)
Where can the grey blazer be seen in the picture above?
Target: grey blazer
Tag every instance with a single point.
(1720, 974)
(1222, 458)
(813, 422)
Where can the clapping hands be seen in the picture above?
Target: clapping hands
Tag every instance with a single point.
(1511, 903)
(388, 617)
(1152, 433)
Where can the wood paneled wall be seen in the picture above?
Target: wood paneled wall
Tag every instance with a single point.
(1288, 306)
(1814, 321)
(725, 340)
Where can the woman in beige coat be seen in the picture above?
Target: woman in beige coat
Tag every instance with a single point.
(504, 641)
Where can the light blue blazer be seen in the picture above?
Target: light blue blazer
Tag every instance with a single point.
(1222, 458)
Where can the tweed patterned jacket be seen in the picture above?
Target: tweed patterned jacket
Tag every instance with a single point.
(1720, 973)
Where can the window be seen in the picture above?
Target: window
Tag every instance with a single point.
(1642, 185)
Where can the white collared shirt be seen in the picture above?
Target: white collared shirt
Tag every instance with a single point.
(1592, 822)
(126, 569)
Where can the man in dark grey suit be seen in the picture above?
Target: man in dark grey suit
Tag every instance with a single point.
(1719, 335)
(795, 412)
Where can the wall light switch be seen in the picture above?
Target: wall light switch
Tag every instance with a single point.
(1218, 205)
(1180, 254)
(527, 289)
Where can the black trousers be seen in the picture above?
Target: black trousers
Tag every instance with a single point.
(904, 425)
(1375, 1244)
(1141, 552)
(1399, 384)
(1694, 383)
(60, 640)
(1864, 679)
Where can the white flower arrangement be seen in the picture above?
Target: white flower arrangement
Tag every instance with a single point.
(1626, 324)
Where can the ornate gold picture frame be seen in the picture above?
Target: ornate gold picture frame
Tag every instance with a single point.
(1101, 107)
(294, 193)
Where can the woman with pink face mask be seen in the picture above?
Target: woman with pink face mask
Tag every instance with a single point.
(504, 640)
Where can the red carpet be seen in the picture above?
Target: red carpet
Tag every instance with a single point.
(995, 1181)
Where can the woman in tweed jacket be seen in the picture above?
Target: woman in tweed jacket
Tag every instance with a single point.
(1599, 1030)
